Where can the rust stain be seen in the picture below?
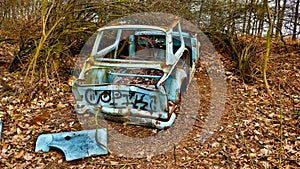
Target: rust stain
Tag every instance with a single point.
(157, 122)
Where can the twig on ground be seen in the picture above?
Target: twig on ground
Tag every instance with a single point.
(243, 137)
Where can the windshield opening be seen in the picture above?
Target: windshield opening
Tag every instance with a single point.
(124, 44)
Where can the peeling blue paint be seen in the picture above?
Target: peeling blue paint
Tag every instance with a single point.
(75, 145)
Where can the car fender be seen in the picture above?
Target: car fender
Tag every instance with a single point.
(174, 83)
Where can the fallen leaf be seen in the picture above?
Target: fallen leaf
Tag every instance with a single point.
(41, 118)
(27, 156)
(114, 162)
(19, 154)
(60, 106)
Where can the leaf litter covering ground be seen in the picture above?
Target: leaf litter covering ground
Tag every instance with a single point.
(250, 125)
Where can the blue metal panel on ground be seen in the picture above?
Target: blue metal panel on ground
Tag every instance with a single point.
(75, 145)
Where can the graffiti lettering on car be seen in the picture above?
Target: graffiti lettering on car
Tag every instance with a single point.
(121, 99)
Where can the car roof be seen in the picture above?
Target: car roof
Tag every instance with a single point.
(124, 25)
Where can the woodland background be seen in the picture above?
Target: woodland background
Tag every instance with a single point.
(257, 41)
(53, 32)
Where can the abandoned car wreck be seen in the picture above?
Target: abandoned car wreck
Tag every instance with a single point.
(136, 73)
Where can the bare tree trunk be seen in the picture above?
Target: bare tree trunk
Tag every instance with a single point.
(275, 15)
(212, 21)
(260, 26)
(296, 20)
(268, 47)
(250, 17)
(244, 20)
(280, 17)
(254, 30)
(231, 25)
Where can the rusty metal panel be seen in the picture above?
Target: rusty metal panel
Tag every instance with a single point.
(75, 145)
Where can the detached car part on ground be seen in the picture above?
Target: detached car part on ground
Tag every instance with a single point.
(136, 73)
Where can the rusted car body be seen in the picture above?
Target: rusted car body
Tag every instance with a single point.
(136, 73)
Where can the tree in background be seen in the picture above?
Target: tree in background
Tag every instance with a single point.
(296, 20)
(280, 17)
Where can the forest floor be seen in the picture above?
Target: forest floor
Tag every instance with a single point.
(252, 133)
